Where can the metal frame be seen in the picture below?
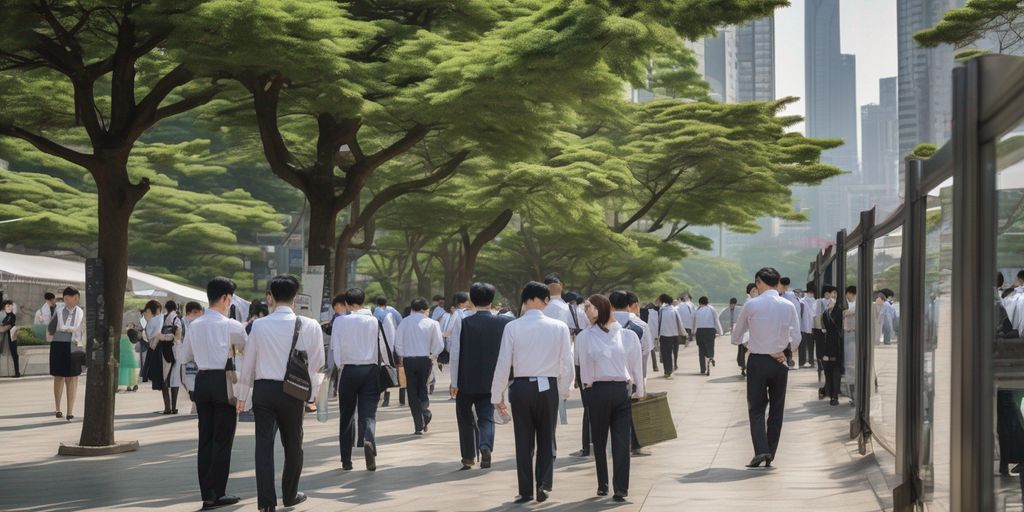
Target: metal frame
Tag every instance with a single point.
(988, 101)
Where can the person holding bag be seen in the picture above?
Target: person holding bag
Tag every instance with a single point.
(281, 367)
(209, 341)
(358, 345)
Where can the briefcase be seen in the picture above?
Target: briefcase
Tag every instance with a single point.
(652, 419)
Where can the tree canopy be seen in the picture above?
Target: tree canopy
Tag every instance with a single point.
(999, 22)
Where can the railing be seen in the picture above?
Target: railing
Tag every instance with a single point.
(988, 102)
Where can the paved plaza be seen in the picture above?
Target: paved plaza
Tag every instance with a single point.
(817, 466)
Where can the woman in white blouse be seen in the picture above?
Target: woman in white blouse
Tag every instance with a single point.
(611, 368)
(706, 327)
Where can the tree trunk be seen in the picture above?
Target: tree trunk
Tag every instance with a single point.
(341, 257)
(117, 199)
(471, 249)
(323, 219)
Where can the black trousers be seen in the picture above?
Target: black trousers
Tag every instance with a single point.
(766, 388)
(217, 422)
(417, 374)
(611, 409)
(476, 431)
(806, 351)
(818, 336)
(667, 344)
(12, 346)
(833, 374)
(276, 410)
(586, 413)
(705, 347)
(359, 386)
(534, 414)
(741, 356)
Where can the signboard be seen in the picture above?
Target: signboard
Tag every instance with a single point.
(312, 284)
(95, 314)
(326, 312)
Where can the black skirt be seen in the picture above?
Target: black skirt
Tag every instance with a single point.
(60, 360)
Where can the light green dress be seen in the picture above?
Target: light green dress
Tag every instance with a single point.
(128, 374)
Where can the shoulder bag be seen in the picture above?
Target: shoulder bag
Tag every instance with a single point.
(388, 372)
(296, 375)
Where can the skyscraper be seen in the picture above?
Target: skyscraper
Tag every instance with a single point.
(720, 65)
(880, 152)
(831, 101)
(925, 78)
(755, 60)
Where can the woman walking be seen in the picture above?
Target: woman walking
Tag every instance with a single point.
(67, 329)
(706, 327)
(7, 333)
(611, 368)
(171, 333)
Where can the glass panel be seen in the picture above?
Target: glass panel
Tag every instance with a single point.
(937, 348)
(1008, 348)
(850, 336)
(885, 323)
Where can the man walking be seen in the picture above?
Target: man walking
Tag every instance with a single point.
(357, 342)
(210, 341)
(808, 309)
(475, 345)
(417, 343)
(668, 329)
(774, 326)
(538, 348)
(273, 340)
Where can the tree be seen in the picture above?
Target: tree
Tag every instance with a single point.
(82, 81)
(998, 21)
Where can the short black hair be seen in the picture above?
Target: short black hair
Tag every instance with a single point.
(355, 296)
(534, 290)
(828, 289)
(381, 300)
(665, 298)
(552, 278)
(1000, 279)
(170, 306)
(888, 293)
(619, 299)
(191, 306)
(482, 294)
(461, 297)
(5, 303)
(258, 308)
(1020, 274)
(812, 288)
(338, 299)
(733, 301)
(632, 298)
(152, 306)
(703, 301)
(218, 287)
(438, 297)
(70, 291)
(784, 281)
(49, 296)
(283, 288)
(768, 276)
(851, 289)
(418, 304)
(750, 286)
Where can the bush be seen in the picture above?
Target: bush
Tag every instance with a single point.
(27, 336)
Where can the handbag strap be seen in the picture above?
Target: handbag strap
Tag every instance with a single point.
(381, 334)
(295, 335)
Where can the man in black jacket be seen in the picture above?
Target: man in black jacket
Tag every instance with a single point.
(475, 343)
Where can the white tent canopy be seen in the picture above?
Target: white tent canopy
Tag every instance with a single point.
(43, 269)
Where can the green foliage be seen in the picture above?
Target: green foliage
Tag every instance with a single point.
(923, 151)
(717, 278)
(999, 22)
(27, 337)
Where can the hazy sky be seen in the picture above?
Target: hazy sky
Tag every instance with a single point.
(868, 30)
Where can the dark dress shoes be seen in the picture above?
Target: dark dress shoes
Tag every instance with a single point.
(542, 495)
(299, 498)
(523, 499)
(485, 458)
(602, 492)
(347, 466)
(223, 501)
(268, 509)
(371, 456)
(619, 498)
(764, 458)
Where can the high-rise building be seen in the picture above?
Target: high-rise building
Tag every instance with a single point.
(925, 78)
(831, 101)
(720, 65)
(755, 60)
(880, 151)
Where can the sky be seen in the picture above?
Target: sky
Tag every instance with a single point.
(867, 30)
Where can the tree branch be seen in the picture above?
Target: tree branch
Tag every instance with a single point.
(47, 146)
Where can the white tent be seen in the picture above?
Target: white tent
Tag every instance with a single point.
(44, 270)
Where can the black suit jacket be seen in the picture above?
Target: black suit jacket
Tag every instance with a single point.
(479, 345)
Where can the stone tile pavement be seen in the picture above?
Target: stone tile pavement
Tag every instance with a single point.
(817, 467)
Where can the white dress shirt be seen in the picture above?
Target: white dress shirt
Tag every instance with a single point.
(419, 336)
(706, 317)
(559, 310)
(850, 317)
(536, 346)
(437, 313)
(686, 311)
(791, 296)
(665, 321)
(448, 328)
(807, 306)
(612, 356)
(268, 347)
(772, 322)
(647, 340)
(208, 338)
(356, 338)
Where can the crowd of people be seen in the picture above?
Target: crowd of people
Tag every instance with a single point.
(260, 358)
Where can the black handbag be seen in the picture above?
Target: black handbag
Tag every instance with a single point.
(296, 375)
(77, 358)
(388, 372)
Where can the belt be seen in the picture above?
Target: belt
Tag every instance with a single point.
(415, 357)
(531, 378)
(367, 364)
(210, 371)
